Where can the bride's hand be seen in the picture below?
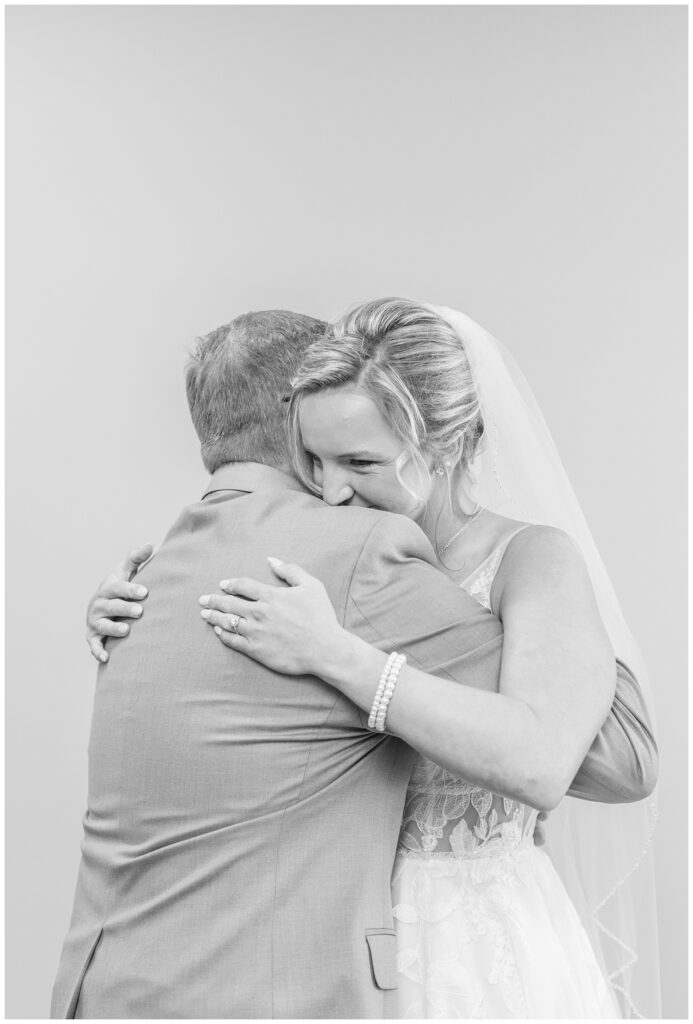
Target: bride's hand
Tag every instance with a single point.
(116, 598)
(288, 629)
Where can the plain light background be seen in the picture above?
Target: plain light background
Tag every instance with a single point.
(171, 167)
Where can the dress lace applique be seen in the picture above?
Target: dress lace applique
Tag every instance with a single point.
(444, 813)
(479, 584)
(484, 926)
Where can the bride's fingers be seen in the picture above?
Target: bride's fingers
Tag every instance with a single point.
(117, 609)
(135, 560)
(231, 622)
(124, 590)
(233, 640)
(228, 603)
(104, 611)
(107, 627)
(294, 575)
(97, 648)
(245, 587)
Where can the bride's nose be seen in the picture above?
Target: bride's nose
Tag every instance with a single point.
(335, 488)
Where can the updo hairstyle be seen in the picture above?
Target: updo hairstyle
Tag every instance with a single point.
(413, 365)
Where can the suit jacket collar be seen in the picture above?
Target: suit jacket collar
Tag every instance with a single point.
(251, 476)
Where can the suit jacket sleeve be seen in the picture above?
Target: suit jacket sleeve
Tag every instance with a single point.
(621, 765)
(398, 600)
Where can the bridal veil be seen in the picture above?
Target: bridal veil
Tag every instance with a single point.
(601, 851)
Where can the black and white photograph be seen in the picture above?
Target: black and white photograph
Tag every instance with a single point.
(346, 507)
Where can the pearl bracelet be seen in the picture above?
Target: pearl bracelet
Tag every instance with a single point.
(383, 695)
(381, 689)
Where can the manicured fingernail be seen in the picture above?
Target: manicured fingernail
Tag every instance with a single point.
(204, 599)
(225, 583)
(136, 610)
(123, 628)
(217, 630)
(140, 592)
(206, 613)
(274, 561)
(103, 656)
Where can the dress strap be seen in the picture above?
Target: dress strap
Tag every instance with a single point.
(492, 561)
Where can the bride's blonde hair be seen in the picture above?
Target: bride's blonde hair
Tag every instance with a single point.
(413, 365)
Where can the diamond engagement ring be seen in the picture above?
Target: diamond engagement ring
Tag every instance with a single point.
(233, 623)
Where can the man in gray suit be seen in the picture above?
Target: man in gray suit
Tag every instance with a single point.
(241, 825)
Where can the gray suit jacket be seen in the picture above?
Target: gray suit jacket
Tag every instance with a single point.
(241, 825)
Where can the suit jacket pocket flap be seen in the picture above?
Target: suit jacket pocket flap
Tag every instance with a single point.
(382, 946)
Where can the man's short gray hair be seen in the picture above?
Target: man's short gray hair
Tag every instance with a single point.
(238, 380)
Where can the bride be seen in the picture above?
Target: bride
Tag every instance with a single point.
(416, 410)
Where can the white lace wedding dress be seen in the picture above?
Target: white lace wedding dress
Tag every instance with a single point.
(484, 925)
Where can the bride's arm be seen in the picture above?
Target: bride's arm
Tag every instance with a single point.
(556, 687)
(621, 764)
(557, 679)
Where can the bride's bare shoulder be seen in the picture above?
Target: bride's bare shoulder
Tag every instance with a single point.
(499, 527)
(541, 552)
(533, 549)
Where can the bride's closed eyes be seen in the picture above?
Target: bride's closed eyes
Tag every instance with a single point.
(353, 461)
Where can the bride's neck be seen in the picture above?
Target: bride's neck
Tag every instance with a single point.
(441, 518)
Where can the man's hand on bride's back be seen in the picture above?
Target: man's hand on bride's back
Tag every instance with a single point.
(116, 599)
(540, 829)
